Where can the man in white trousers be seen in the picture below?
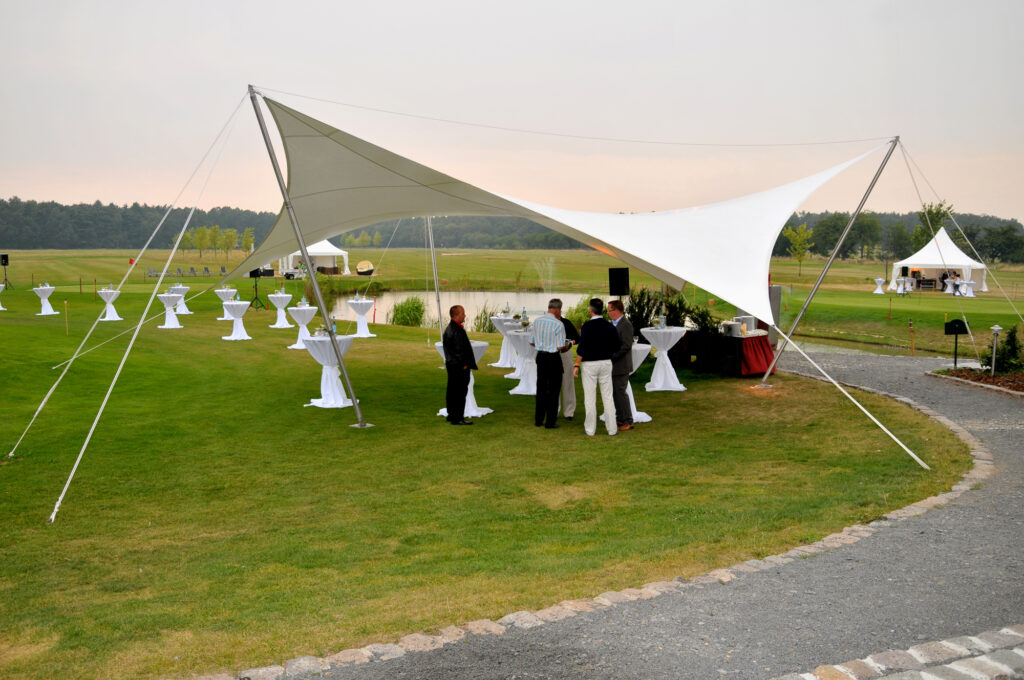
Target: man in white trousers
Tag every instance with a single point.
(598, 342)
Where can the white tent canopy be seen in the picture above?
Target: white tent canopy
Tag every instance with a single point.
(338, 183)
(938, 256)
(322, 253)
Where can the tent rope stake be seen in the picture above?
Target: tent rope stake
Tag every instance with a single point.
(835, 251)
(305, 258)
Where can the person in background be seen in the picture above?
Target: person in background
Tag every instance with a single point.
(458, 362)
(622, 364)
(573, 337)
(598, 342)
(548, 337)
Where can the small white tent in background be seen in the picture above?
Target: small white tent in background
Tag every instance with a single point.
(323, 254)
(938, 256)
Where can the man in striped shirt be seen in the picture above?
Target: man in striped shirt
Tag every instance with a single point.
(548, 336)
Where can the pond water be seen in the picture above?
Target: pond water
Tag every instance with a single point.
(474, 302)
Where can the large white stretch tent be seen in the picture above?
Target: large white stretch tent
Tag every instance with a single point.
(338, 182)
(941, 255)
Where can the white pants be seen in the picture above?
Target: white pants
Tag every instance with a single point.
(593, 374)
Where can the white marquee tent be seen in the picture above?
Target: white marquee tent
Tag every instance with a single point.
(323, 253)
(938, 256)
(338, 183)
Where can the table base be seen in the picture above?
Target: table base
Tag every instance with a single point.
(46, 309)
(507, 358)
(663, 377)
(182, 309)
(332, 392)
(237, 332)
(110, 314)
(528, 380)
(303, 334)
(282, 320)
(363, 329)
(472, 410)
(170, 320)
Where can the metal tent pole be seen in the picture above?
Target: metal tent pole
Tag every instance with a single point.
(305, 258)
(433, 261)
(831, 259)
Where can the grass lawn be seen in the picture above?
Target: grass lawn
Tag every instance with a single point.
(215, 523)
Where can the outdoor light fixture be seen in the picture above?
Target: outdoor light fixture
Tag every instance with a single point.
(995, 340)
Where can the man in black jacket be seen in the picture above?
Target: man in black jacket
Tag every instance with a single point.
(598, 342)
(458, 361)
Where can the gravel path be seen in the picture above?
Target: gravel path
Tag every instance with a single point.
(952, 571)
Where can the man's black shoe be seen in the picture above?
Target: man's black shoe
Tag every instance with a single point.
(568, 417)
(460, 422)
(551, 427)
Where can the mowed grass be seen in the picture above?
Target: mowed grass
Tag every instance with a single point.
(216, 524)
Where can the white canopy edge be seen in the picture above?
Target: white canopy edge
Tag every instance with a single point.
(338, 182)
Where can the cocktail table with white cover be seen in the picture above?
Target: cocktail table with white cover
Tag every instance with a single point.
(332, 392)
(640, 352)
(361, 307)
(472, 409)
(506, 359)
(181, 308)
(225, 295)
(170, 300)
(517, 365)
(527, 354)
(237, 309)
(967, 288)
(109, 313)
(2, 309)
(878, 287)
(901, 286)
(281, 301)
(663, 377)
(302, 314)
(44, 293)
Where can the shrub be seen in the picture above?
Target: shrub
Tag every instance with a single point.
(642, 307)
(482, 323)
(1009, 355)
(408, 312)
(579, 314)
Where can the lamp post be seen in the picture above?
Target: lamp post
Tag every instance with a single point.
(995, 341)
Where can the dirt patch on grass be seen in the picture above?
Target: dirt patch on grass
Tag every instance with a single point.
(1009, 381)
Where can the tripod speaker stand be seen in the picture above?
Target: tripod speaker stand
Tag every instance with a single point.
(4, 261)
(256, 301)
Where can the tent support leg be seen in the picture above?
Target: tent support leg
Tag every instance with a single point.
(433, 262)
(828, 264)
(305, 258)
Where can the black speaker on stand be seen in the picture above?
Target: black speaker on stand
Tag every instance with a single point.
(4, 261)
(618, 281)
(256, 301)
(904, 272)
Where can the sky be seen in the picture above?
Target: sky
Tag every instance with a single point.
(119, 101)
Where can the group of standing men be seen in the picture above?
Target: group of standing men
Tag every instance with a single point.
(604, 361)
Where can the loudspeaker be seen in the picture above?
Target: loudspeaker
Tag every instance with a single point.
(618, 281)
(254, 274)
(904, 272)
(3, 260)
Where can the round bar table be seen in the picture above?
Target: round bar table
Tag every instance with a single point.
(281, 301)
(663, 377)
(967, 288)
(109, 313)
(878, 287)
(237, 309)
(2, 308)
(332, 392)
(507, 357)
(225, 295)
(472, 409)
(44, 293)
(527, 362)
(170, 318)
(361, 307)
(302, 314)
(182, 308)
(640, 352)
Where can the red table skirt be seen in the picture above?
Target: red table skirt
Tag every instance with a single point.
(757, 355)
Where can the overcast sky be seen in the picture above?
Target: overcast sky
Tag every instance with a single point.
(118, 101)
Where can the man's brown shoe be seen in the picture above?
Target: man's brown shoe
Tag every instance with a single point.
(625, 426)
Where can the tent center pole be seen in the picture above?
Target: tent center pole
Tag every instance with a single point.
(305, 258)
(831, 259)
(433, 262)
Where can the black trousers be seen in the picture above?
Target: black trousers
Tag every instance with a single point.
(455, 395)
(623, 413)
(549, 386)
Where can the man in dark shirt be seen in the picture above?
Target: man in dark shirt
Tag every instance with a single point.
(568, 384)
(458, 361)
(598, 342)
(622, 363)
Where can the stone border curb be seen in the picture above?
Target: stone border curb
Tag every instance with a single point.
(992, 655)
(417, 642)
(994, 388)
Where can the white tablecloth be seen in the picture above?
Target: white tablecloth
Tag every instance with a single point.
(663, 378)
(281, 301)
(507, 358)
(108, 295)
(878, 287)
(170, 318)
(361, 307)
(527, 355)
(640, 352)
(225, 295)
(236, 309)
(332, 392)
(513, 325)
(2, 309)
(181, 308)
(967, 288)
(472, 409)
(302, 314)
(950, 287)
(44, 293)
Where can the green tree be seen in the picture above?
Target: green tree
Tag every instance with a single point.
(186, 240)
(201, 240)
(827, 232)
(248, 239)
(377, 240)
(363, 240)
(866, 232)
(214, 242)
(933, 216)
(799, 244)
(227, 240)
(920, 238)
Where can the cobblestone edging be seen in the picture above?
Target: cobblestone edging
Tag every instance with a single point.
(310, 665)
(994, 388)
(992, 655)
